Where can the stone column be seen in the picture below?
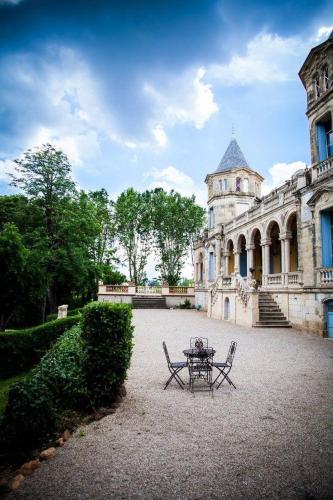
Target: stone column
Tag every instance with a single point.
(218, 257)
(249, 249)
(282, 256)
(237, 254)
(226, 263)
(265, 244)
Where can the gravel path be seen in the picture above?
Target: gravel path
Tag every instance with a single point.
(270, 438)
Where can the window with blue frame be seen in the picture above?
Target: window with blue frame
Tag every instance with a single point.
(327, 238)
(324, 138)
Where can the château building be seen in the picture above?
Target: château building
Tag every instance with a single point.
(268, 260)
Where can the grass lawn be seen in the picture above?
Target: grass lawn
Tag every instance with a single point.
(4, 386)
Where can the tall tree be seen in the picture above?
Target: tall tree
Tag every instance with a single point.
(44, 175)
(133, 229)
(177, 220)
(13, 261)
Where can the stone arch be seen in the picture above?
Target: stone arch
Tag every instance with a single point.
(230, 256)
(292, 245)
(255, 245)
(273, 234)
(241, 248)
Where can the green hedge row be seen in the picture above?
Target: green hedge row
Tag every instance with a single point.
(84, 369)
(22, 349)
(71, 312)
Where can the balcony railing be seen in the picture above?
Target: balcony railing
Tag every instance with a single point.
(149, 290)
(178, 289)
(326, 276)
(116, 288)
(324, 167)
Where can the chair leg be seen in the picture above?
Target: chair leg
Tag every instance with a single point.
(225, 377)
(174, 374)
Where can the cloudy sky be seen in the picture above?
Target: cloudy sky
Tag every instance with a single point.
(144, 93)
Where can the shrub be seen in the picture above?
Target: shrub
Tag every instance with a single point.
(23, 349)
(30, 415)
(185, 305)
(61, 370)
(56, 384)
(107, 332)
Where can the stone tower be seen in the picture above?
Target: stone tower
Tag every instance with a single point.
(317, 77)
(232, 188)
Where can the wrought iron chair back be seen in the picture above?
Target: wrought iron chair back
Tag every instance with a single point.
(198, 343)
(231, 353)
(166, 353)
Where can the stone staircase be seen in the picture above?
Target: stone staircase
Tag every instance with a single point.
(270, 314)
(148, 302)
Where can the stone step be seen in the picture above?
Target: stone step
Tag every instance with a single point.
(272, 325)
(144, 302)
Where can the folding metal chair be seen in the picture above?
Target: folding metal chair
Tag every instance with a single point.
(224, 368)
(174, 368)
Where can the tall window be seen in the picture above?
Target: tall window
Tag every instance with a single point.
(225, 184)
(246, 185)
(220, 185)
(327, 238)
(317, 86)
(238, 184)
(324, 137)
(211, 270)
(211, 217)
(325, 78)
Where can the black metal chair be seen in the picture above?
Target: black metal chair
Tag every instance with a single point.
(174, 368)
(224, 368)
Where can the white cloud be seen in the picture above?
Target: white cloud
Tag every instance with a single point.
(322, 33)
(268, 58)
(183, 100)
(10, 2)
(279, 173)
(172, 178)
(6, 167)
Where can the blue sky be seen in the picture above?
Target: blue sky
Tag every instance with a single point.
(144, 93)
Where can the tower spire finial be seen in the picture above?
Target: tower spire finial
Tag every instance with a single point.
(233, 134)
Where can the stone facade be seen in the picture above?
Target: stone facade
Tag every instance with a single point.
(281, 243)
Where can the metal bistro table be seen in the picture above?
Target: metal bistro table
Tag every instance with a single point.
(199, 361)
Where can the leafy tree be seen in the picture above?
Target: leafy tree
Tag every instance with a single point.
(133, 228)
(13, 261)
(176, 222)
(44, 175)
(111, 276)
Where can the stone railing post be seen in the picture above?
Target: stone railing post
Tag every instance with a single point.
(62, 311)
(165, 288)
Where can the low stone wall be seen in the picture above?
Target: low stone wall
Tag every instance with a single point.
(201, 298)
(172, 300)
(119, 299)
(236, 312)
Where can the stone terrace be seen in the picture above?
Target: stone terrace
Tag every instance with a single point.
(270, 438)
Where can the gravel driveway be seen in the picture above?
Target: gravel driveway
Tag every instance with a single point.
(270, 438)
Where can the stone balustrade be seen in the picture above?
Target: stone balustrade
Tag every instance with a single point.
(325, 276)
(324, 168)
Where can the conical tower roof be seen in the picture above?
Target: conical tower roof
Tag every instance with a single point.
(233, 158)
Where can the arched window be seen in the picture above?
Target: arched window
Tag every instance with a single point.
(316, 83)
(238, 184)
(220, 185)
(211, 217)
(226, 308)
(326, 82)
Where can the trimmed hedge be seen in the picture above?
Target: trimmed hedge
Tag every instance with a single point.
(22, 349)
(71, 312)
(85, 368)
(108, 334)
(56, 384)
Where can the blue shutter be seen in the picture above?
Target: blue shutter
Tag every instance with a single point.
(321, 142)
(326, 239)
